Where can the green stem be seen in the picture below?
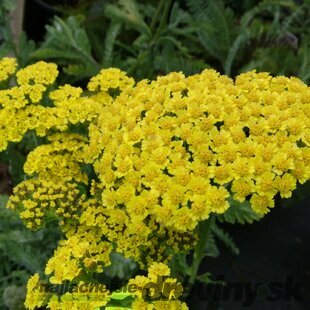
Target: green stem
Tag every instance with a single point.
(163, 20)
(140, 58)
(35, 139)
(162, 12)
(157, 14)
(204, 229)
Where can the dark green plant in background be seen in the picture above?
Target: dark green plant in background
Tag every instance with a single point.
(7, 45)
(146, 39)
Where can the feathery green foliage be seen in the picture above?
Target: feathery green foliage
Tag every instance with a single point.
(241, 213)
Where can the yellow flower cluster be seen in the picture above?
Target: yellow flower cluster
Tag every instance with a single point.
(35, 198)
(82, 250)
(7, 68)
(174, 149)
(158, 290)
(31, 106)
(134, 167)
(82, 297)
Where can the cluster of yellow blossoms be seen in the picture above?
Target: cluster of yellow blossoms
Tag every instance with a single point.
(82, 297)
(135, 166)
(157, 291)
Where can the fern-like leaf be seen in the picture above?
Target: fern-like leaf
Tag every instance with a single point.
(264, 6)
(304, 55)
(237, 45)
(211, 247)
(238, 212)
(216, 27)
(198, 8)
(127, 11)
(109, 43)
(178, 17)
(67, 43)
(170, 60)
(225, 238)
(52, 53)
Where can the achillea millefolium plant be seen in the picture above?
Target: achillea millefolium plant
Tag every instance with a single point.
(141, 168)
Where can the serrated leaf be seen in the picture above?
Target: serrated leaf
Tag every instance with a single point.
(236, 46)
(216, 26)
(170, 60)
(50, 53)
(239, 212)
(25, 48)
(225, 238)
(178, 16)
(178, 265)
(110, 39)
(127, 11)
(211, 247)
(66, 42)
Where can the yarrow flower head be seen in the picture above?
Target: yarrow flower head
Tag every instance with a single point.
(150, 159)
(7, 68)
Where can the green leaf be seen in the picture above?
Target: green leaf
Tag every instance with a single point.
(179, 266)
(178, 17)
(211, 247)
(304, 56)
(225, 238)
(16, 162)
(197, 7)
(205, 278)
(53, 53)
(120, 267)
(3, 200)
(216, 26)
(263, 6)
(239, 212)
(170, 60)
(127, 11)
(120, 301)
(109, 43)
(67, 43)
(232, 53)
(120, 295)
(8, 219)
(25, 48)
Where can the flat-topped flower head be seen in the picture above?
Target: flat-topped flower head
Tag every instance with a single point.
(135, 167)
(7, 68)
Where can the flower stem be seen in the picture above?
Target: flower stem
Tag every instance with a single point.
(204, 229)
